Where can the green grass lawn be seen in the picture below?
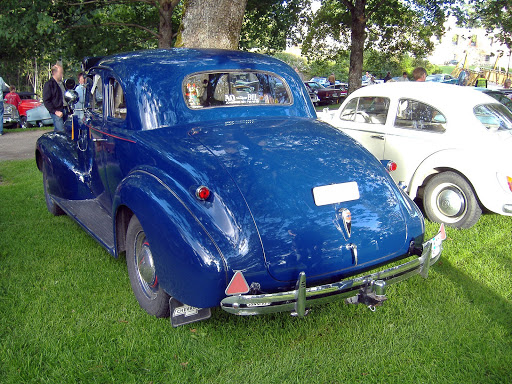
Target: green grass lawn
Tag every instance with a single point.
(68, 315)
(13, 130)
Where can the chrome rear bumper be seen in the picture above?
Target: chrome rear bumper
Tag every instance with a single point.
(369, 289)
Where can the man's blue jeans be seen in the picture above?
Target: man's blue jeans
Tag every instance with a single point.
(1, 117)
(58, 123)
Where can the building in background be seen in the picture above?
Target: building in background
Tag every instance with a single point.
(481, 47)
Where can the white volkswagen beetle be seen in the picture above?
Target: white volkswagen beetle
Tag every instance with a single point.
(452, 145)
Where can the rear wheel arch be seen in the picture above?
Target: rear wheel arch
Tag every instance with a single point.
(179, 242)
(122, 219)
(436, 171)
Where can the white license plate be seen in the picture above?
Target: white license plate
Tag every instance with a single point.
(336, 193)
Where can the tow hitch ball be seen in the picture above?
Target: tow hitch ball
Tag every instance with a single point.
(372, 295)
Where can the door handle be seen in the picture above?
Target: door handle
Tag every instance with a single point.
(379, 137)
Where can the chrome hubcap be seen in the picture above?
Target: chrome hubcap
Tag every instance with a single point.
(145, 266)
(450, 202)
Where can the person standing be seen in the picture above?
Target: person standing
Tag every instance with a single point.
(481, 81)
(332, 79)
(2, 86)
(13, 98)
(419, 74)
(388, 77)
(507, 84)
(53, 98)
(404, 77)
(80, 89)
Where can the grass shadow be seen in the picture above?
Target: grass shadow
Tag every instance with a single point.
(493, 305)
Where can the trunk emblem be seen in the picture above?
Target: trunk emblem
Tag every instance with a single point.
(347, 220)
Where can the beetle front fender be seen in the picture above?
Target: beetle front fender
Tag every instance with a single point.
(189, 264)
(460, 161)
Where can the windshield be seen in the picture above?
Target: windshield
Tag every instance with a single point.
(495, 117)
(314, 85)
(216, 89)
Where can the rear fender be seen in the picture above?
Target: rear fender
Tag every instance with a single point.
(189, 264)
(483, 181)
(459, 161)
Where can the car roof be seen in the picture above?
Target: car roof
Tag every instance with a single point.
(183, 61)
(154, 79)
(435, 94)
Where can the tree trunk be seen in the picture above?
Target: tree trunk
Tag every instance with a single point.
(358, 37)
(211, 23)
(165, 10)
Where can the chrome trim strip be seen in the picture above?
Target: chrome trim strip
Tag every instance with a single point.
(292, 301)
(507, 208)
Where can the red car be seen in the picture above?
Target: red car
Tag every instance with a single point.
(326, 95)
(28, 101)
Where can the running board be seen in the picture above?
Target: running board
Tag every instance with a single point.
(91, 215)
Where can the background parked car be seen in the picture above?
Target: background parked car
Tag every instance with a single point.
(326, 95)
(441, 78)
(11, 116)
(497, 95)
(38, 116)
(321, 80)
(341, 87)
(451, 145)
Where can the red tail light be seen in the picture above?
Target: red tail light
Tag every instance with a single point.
(391, 166)
(202, 193)
(509, 181)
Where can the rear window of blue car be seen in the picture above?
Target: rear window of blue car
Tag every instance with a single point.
(240, 88)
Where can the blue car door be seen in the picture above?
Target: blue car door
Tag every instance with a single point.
(118, 144)
(95, 120)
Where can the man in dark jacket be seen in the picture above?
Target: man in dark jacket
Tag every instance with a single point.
(53, 98)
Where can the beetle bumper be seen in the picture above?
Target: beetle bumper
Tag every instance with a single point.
(369, 289)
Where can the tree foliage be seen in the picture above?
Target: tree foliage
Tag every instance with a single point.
(388, 26)
(269, 24)
(68, 30)
(495, 16)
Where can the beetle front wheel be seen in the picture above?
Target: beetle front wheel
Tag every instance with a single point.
(141, 269)
(449, 198)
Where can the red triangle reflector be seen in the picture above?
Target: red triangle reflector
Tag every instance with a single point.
(442, 232)
(238, 285)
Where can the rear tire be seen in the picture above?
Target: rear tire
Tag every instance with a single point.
(449, 198)
(141, 270)
(53, 208)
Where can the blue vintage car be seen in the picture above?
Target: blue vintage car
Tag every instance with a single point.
(210, 170)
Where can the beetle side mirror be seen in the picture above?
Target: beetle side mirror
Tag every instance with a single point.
(69, 83)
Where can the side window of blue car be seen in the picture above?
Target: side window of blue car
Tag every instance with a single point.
(96, 96)
(117, 103)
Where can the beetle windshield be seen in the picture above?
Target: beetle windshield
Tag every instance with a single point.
(495, 117)
(214, 89)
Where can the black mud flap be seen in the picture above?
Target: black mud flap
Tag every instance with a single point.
(182, 314)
